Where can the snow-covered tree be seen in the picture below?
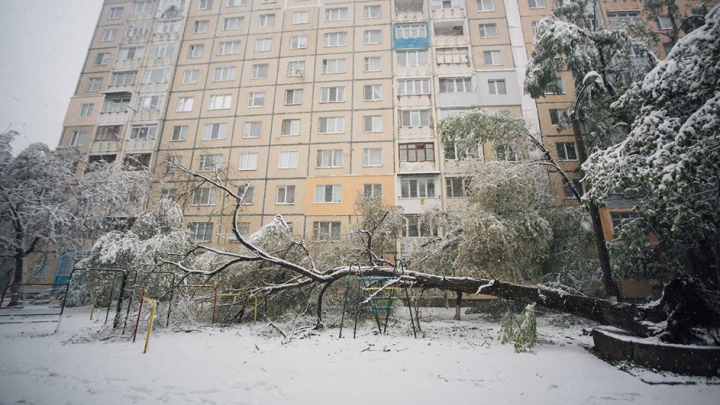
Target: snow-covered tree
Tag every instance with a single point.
(670, 162)
(46, 207)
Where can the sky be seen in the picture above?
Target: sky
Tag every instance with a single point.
(43, 44)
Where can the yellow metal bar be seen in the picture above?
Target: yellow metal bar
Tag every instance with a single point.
(150, 324)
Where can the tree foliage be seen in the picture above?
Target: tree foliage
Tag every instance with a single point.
(670, 161)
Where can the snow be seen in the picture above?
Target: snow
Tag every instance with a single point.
(252, 364)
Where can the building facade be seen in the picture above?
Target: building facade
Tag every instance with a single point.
(310, 103)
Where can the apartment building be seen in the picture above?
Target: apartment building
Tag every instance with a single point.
(306, 104)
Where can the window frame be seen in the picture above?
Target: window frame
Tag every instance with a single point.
(214, 131)
(288, 195)
(328, 194)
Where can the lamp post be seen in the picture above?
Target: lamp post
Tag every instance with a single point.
(611, 288)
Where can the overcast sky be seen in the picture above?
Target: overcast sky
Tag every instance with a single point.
(43, 44)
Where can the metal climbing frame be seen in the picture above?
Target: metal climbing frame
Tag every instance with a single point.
(33, 306)
(380, 293)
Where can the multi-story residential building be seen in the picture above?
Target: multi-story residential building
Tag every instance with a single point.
(310, 103)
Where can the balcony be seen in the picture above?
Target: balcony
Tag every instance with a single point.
(102, 147)
(112, 118)
(414, 100)
(416, 134)
(449, 13)
(410, 10)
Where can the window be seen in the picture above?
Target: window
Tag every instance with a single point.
(220, 102)
(201, 231)
(415, 118)
(373, 64)
(372, 123)
(249, 192)
(256, 99)
(234, 23)
(296, 68)
(506, 153)
(196, 51)
(168, 27)
(618, 218)
(201, 27)
(123, 78)
(160, 51)
(136, 161)
(285, 195)
(41, 268)
(372, 190)
(150, 102)
(537, 3)
(372, 92)
(190, 76)
(447, 4)
(86, 110)
(485, 5)
(623, 18)
(558, 116)
(414, 228)
(664, 22)
(332, 94)
(417, 57)
(108, 133)
(301, 17)
(293, 96)
(329, 158)
(244, 229)
(137, 30)
(184, 104)
(409, 87)
(335, 39)
(224, 74)
(173, 163)
(488, 31)
(143, 132)
(102, 59)
(248, 161)
(268, 1)
(158, 75)
(455, 85)
(566, 151)
(290, 127)
(333, 66)
(77, 138)
(372, 157)
(266, 20)
(568, 191)
(236, 3)
(210, 163)
(417, 188)
(260, 71)
(108, 36)
(179, 133)
(115, 13)
(93, 84)
(298, 42)
(372, 37)
(288, 159)
(452, 56)
(417, 152)
(328, 193)
(229, 48)
(373, 12)
(252, 130)
(560, 87)
(453, 152)
(116, 104)
(263, 45)
(332, 125)
(205, 4)
(215, 131)
(326, 230)
(497, 86)
(336, 14)
(492, 58)
(456, 186)
(417, 30)
(131, 52)
(204, 196)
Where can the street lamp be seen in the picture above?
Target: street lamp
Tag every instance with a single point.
(611, 287)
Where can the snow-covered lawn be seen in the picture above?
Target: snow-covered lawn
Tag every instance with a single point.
(456, 362)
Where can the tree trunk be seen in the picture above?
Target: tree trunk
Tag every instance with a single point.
(17, 278)
(458, 304)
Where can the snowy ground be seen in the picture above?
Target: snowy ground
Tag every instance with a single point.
(455, 361)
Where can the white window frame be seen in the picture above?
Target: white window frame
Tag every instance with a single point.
(196, 51)
(333, 125)
(205, 4)
(204, 196)
(418, 57)
(535, 4)
(290, 127)
(143, 132)
(256, 99)
(190, 76)
(372, 37)
(108, 35)
(237, 3)
(497, 87)
(296, 68)
(155, 75)
(329, 159)
(372, 12)
(201, 231)
(184, 104)
(252, 130)
(234, 23)
(414, 118)
(485, 5)
(411, 30)
(562, 149)
(77, 138)
(161, 51)
(224, 74)
(328, 193)
(150, 102)
(372, 157)
(285, 195)
(266, 20)
(494, 57)
(86, 110)
(417, 188)
(179, 133)
(414, 86)
(334, 66)
(260, 71)
(452, 56)
(333, 232)
(488, 31)
(249, 192)
(293, 96)
(336, 14)
(372, 123)
(455, 85)
(332, 39)
(288, 159)
(299, 42)
(373, 190)
(263, 45)
(220, 102)
(301, 17)
(102, 58)
(373, 63)
(248, 161)
(214, 131)
(116, 13)
(201, 26)
(334, 94)
(210, 163)
(94, 84)
(372, 92)
(229, 48)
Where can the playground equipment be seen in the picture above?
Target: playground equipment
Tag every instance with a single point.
(150, 320)
(380, 293)
(41, 304)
